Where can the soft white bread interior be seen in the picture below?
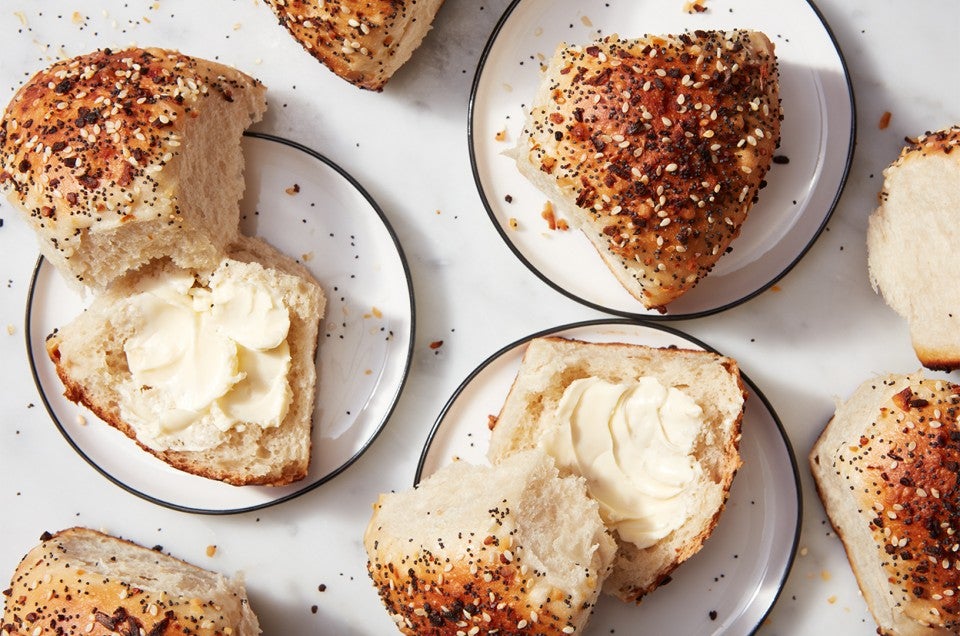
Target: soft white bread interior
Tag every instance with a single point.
(116, 158)
(656, 148)
(476, 549)
(90, 358)
(912, 245)
(362, 41)
(81, 581)
(886, 469)
(551, 365)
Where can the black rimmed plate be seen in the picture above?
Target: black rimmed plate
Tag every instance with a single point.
(817, 140)
(730, 586)
(310, 209)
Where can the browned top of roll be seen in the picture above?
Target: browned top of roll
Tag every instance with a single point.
(909, 463)
(663, 142)
(362, 41)
(80, 581)
(85, 141)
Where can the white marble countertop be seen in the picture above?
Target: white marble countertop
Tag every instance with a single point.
(809, 340)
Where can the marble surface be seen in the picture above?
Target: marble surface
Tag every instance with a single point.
(806, 342)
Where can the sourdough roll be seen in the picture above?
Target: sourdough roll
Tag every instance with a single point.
(655, 433)
(886, 468)
(511, 549)
(80, 581)
(912, 245)
(656, 148)
(212, 371)
(364, 42)
(116, 158)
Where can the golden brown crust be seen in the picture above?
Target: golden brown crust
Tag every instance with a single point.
(663, 143)
(84, 140)
(364, 42)
(908, 461)
(427, 592)
(55, 593)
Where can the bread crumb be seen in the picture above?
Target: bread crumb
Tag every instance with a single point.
(307, 257)
(368, 372)
(832, 600)
(696, 6)
(501, 135)
(825, 575)
(885, 120)
(586, 21)
(491, 421)
(294, 189)
(376, 312)
(436, 344)
(549, 216)
(512, 223)
(11, 329)
(776, 288)
(804, 552)
(211, 550)
(236, 27)
(77, 17)
(81, 420)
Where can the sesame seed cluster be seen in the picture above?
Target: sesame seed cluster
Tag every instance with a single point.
(483, 587)
(84, 143)
(904, 471)
(359, 41)
(662, 143)
(52, 595)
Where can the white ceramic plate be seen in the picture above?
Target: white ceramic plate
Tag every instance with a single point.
(817, 139)
(334, 228)
(732, 583)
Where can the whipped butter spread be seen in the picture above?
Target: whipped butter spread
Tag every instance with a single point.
(204, 360)
(634, 444)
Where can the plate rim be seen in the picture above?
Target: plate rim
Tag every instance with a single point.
(659, 326)
(28, 339)
(654, 316)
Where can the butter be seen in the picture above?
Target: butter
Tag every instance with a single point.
(204, 360)
(634, 444)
